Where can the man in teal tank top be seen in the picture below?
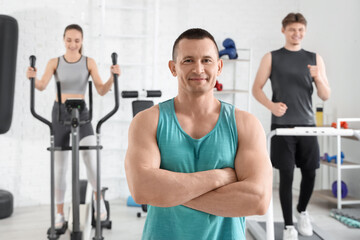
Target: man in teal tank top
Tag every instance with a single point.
(200, 164)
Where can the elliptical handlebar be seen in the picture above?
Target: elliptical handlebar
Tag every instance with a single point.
(58, 87)
(112, 112)
(90, 103)
(32, 99)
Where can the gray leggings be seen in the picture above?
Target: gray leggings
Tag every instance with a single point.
(62, 163)
(62, 132)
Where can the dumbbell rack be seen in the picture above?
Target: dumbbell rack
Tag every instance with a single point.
(327, 194)
(236, 83)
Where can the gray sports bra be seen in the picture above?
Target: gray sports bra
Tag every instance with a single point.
(73, 77)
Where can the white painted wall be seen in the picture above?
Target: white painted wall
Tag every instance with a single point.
(333, 32)
(24, 163)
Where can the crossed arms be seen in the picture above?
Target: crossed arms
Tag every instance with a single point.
(243, 191)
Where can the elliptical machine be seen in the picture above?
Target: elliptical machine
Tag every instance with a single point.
(75, 106)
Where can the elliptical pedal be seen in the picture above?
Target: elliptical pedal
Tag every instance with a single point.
(59, 231)
(107, 222)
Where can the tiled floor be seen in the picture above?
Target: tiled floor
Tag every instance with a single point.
(32, 222)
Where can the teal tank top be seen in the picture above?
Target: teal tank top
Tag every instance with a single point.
(181, 153)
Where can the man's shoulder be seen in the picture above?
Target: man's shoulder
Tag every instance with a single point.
(305, 50)
(309, 52)
(244, 117)
(247, 123)
(147, 117)
(168, 102)
(277, 50)
(226, 104)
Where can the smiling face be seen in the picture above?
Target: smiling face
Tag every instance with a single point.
(73, 41)
(196, 65)
(294, 33)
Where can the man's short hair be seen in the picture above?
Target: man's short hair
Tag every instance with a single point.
(293, 18)
(193, 33)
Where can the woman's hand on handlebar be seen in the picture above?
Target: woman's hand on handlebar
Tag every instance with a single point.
(115, 69)
(31, 73)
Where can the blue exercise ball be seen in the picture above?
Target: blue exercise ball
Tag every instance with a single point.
(344, 190)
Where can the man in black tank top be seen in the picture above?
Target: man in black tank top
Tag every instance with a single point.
(292, 72)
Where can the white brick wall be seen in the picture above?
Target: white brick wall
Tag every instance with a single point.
(24, 162)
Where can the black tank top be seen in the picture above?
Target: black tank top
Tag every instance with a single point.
(291, 84)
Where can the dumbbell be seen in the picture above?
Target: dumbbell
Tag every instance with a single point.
(218, 86)
(343, 124)
(231, 52)
(230, 49)
(328, 158)
(335, 158)
(229, 43)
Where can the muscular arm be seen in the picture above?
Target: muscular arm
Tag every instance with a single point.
(49, 71)
(263, 74)
(319, 74)
(148, 183)
(261, 78)
(251, 194)
(101, 88)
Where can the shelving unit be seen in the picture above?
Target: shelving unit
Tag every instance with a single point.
(240, 84)
(327, 194)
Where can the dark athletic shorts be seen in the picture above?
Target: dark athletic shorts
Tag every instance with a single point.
(61, 132)
(288, 151)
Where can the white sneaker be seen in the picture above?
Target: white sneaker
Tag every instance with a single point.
(103, 212)
(59, 221)
(303, 223)
(290, 233)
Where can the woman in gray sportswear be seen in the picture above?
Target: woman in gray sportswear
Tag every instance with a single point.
(72, 70)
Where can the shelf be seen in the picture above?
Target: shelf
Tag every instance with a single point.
(230, 91)
(355, 137)
(344, 165)
(244, 55)
(235, 66)
(327, 194)
(341, 134)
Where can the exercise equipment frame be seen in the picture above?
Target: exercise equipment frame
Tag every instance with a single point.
(303, 131)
